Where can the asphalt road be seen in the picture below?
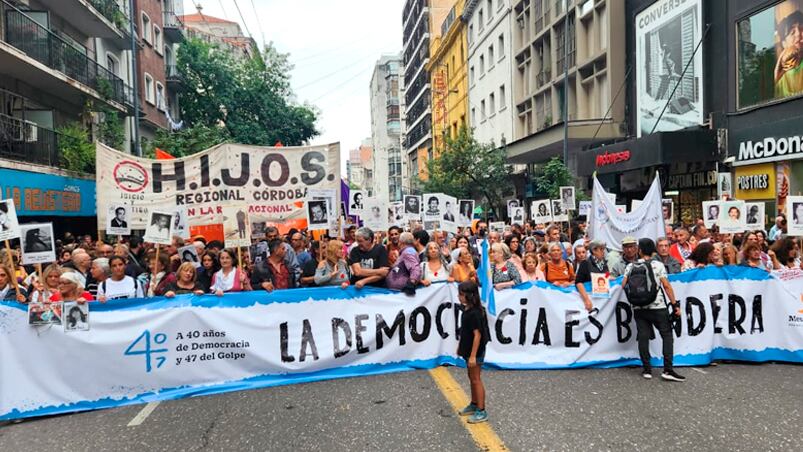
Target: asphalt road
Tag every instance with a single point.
(729, 407)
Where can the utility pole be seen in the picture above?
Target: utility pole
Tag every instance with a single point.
(566, 83)
(134, 78)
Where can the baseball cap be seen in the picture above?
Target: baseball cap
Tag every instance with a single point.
(629, 240)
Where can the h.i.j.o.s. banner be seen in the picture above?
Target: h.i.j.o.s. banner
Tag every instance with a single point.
(156, 349)
(271, 181)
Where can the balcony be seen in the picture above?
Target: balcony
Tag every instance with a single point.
(95, 18)
(44, 60)
(173, 77)
(24, 141)
(172, 26)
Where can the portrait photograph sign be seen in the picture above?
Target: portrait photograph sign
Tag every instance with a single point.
(117, 220)
(517, 216)
(465, 212)
(357, 202)
(433, 210)
(236, 226)
(180, 226)
(44, 313)
(666, 40)
(189, 254)
(396, 214)
(559, 214)
(755, 218)
(732, 217)
(449, 217)
(330, 196)
(512, 203)
(711, 213)
(724, 186)
(160, 227)
(412, 207)
(541, 211)
(668, 210)
(376, 215)
(584, 207)
(794, 209)
(76, 317)
(600, 285)
(498, 226)
(9, 225)
(317, 214)
(567, 198)
(38, 245)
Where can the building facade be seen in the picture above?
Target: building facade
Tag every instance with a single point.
(553, 41)
(386, 129)
(360, 168)
(490, 70)
(151, 67)
(448, 77)
(226, 34)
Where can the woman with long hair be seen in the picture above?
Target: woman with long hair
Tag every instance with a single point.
(159, 276)
(186, 282)
(434, 267)
(118, 285)
(463, 268)
(42, 290)
(503, 270)
(209, 266)
(752, 256)
(8, 286)
(311, 266)
(229, 278)
(703, 255)
(730, 255)
(333, 270)
(785, 253)
(474, 336)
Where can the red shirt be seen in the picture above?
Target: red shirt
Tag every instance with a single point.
(281, 276)
(86, 296)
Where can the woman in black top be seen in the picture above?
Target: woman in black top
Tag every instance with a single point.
(308, 272)
(474, 336)
(594, 264)
(185, 282)
(209, 265)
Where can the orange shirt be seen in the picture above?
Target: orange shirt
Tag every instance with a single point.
(556, 273)
(460, 274)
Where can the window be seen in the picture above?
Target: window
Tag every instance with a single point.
(471, 75)
(473, 115)
(501, 46)
(150, 96)
(158, 45)
(470, 33)
(766, 71)
(490, 6)
(491, 55)
(161, 101)
(482, 111)
(492, 103)
(112, 64)
(481, 19)
(482, 65)
(146, 31)
(502, 96)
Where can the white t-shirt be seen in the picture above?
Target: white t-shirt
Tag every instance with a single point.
(428, 273)
(659, 271)
(115, 290)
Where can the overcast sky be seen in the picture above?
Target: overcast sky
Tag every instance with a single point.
(333, 45)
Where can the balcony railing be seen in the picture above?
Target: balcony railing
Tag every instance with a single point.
(54, 52)
(24, 141)
(111, 10)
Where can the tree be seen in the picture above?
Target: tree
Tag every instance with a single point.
(555, 175)
(77, 152)
(250, 99)
(187, 141)
(468, 169)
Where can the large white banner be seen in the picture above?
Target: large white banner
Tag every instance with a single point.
(273, 182)
(667, 34)
(156, 349)
(610, 225)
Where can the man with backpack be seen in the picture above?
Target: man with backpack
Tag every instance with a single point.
(643, 282)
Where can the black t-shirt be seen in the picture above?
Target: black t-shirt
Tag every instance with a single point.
(375, 258)
(309, 270)
(472, 319)
(585, 269)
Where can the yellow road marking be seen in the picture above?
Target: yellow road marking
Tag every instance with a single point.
(483, 434)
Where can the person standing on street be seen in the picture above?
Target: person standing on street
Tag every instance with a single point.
(474, 336)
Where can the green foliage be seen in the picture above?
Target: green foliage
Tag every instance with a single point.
(110, 130)
(554, 175)
(77, 152)
(251, 99)
(468, 169)
(186, 141)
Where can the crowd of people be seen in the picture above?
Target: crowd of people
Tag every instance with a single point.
(396, 259)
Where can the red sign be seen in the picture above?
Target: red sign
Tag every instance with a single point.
(612, 158)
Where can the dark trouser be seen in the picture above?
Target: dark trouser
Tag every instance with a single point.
(645, 320)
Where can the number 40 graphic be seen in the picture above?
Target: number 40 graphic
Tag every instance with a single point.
(145, 338)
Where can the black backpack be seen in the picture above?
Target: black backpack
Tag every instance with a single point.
(641, 288)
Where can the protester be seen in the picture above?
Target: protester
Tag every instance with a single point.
(556, 269)
(654, 314)
(71, 288)
(785, 253)
(463, 268)
(118, 285)
(9, 290)
(703, 255)
(595, 263)
(434, 268)
(474, 335)
(532, 269)
(752, 256)
(405, 274)
(309, 269)
(393, 246)
(273, 273)
(503, 272)
(185, 282)
(209, 266)
(368, 262)
(628, 256)
(42, 290)
(681, 249)
(333, 270)
(99, 271)
(580, 255)
(420, 240)
(553, 235)
(663, 255)
(777, 229)
(299, 244)
(730, 255)
(229, 278)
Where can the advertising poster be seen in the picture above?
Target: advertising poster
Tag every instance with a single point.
(667, 34)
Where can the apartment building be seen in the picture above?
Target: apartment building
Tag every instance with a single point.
(226, 34)
(152, 76)
(583, 40)
(386, 129)
(173, 30)
(449, 80)
(490, 70)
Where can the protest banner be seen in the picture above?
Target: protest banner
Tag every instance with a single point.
(158, 349)
(607, 224)
(272, 182)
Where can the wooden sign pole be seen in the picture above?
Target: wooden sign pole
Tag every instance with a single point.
(13, 276)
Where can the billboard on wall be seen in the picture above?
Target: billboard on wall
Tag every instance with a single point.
(770, 54)
(667, 34)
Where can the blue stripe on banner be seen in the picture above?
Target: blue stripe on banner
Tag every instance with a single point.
(266, 381)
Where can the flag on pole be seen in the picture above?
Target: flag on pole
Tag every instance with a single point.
(162, 155)
(486, 279)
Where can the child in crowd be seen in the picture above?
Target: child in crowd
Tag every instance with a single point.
(474, 336)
